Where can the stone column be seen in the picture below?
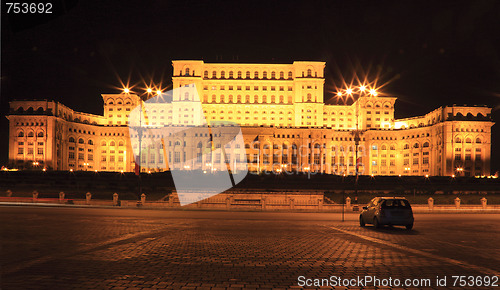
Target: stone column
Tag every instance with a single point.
(484, 202)
(430, 202)
(88, 197)
(457, 203)
(115, 199)
(35, 196)
(348, 202)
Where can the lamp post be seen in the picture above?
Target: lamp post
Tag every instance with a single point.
(348, 92)
(357, 132)
(140, 129)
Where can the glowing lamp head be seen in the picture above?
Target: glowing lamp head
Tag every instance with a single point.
(126, 90)
(362, 88)
(149, 90)
(373, 92)
(349, 91)
(158, 92)
(339, 94)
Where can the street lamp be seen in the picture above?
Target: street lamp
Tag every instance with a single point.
(149, 92)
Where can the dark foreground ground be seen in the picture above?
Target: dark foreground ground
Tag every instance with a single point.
(73, 248)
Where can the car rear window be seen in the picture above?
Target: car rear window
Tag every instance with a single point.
(395, 203)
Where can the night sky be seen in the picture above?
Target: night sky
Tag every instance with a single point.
(428, 53)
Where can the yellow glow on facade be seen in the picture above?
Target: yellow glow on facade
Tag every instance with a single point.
(276, 105)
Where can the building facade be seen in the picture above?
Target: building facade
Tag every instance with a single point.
(285, 123)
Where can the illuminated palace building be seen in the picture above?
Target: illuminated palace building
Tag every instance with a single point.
(285, 124)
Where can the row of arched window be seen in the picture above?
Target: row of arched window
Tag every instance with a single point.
(118, 101)
(30, 110)
(416, 145)
(468, 130)
(467, 140)
(250, 75)
(80, 141)
(29, 124)
(40, 134)
(90, 142)
(335, 112)
(469, 115)
(378, 105)
(112, 143)
(239, 100)
(246, 112)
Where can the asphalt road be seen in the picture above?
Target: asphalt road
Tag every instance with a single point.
(89, 248)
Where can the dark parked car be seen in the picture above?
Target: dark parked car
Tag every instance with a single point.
(393, 211)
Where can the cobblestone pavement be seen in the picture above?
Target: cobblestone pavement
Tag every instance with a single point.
(79, 248)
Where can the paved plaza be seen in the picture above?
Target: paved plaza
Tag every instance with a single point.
(93, 248)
